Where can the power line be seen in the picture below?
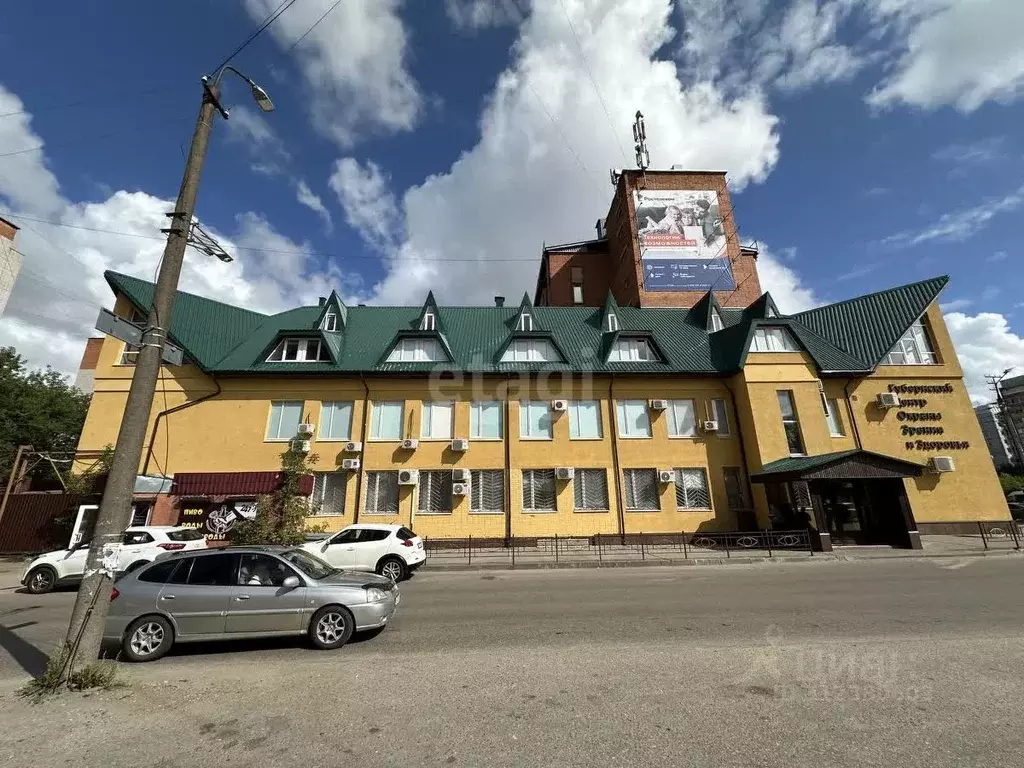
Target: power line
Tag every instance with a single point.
(600, 98)
(79, 139)
(271, 18)
(315, 24)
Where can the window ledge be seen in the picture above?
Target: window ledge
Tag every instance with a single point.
(683, 437)
(535, 439)
(634, 437)
(380, 514)
(489, 512)
(693, 509)
(592, 511)
(486, 439)
(647, 511)
(421, 513)
(333, 439)
(278, 439)
(540, 511)
(435, 439)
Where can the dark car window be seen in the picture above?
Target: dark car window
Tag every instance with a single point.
(159, 573)
(405, 534)
(185, 534)
(136, 537)
(213, 570)
(347, 537)
(262, 571)
(372, 534)
(308, 564)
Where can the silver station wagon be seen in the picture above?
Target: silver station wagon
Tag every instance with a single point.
(243, 592)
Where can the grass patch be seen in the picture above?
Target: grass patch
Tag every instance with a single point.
(103, 675)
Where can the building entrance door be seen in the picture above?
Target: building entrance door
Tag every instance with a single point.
(863, 511)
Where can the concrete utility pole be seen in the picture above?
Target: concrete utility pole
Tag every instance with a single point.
(1007, 421)
(85, 631)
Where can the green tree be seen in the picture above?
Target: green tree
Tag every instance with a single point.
(281, 515)
(39, 408)
(1011, 482)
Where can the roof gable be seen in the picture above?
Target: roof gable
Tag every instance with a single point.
(337, 306)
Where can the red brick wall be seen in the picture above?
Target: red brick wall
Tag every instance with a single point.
(91, 355)
(7, 229)
(596, 275)
(627, 280)
(164, 510)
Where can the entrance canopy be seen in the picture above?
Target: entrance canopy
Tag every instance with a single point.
(842, 465)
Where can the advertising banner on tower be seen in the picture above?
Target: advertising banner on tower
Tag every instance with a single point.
(682, 240)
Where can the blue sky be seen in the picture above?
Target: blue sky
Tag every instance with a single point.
(438, 145)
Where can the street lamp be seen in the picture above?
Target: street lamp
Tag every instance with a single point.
(86, 627)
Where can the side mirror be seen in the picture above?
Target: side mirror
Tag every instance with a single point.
(291, 582)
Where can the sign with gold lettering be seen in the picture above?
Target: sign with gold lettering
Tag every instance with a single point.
(215, 518)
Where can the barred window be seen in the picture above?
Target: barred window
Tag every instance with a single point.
(538, 490)
(735, 488)
(642, 490)
(692, 488)
(328, 493)
(435, 491)
(487, 491)
(381, 493)
(590, 490)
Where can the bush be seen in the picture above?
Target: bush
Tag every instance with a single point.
(1011, 482)
(100, 674)
(281, 515)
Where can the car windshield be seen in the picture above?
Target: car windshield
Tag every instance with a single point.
(312, 566)
(184, 534)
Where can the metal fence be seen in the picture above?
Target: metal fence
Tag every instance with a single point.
(612, 548)
(999, 535)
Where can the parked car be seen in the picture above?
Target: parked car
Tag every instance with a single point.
(390, 550)
(241, 592)
(1016, 510)
(139, 545)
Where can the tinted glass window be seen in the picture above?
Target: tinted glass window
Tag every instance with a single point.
(159, 573)
(346, 536)
(213, 571)
(308, 564)
(180, 576)
(262, 571)
(184, 534)
(136, 537)
(405, 534)
(374, 535)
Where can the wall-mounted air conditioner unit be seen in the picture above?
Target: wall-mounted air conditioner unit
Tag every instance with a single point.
(350, 463)
(353, 447)
(659, 405)
(408, 477)
(460, 489)
(942, 464)
(460, 444)
(888, 400)
(410, 444)
(709, 426)
(564, 473)
(460, 475)
(306, 430)
(666, 475)
(559, 406)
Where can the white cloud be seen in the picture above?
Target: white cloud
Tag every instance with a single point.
(354, 63)
(959, 225)
(478, 14)
(981, 151)
(985, 344)
(956, 52)
(997, 256)
(370, 207)
(311, 200)
(539, 170)
(25, 181)
(791, 295)
(955, 305)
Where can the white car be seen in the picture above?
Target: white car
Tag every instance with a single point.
(390, 550)
(139, 545)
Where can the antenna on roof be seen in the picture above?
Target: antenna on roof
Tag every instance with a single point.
(201, 240)
(643, 157)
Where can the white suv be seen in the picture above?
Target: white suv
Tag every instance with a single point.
(390, 550)
(139, 545)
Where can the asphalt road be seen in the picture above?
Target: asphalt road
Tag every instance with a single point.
(903, 662)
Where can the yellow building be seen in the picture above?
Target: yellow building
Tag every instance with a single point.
(619, 416)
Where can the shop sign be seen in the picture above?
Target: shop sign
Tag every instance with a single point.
(915, 421)
(216, 519)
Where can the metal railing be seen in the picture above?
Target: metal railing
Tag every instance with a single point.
(999, 534)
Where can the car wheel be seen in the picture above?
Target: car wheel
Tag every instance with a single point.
(331, 627)
(41, 579)
(393, 568)
(147, 639)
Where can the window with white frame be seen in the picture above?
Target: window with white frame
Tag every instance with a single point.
(299, 351)
(328, 493)
(682, 418)
(584, 420)
(525, 322)
(631, 351)
(535, 420)
(436, 422)
(409, 350)
(641, 487)
(716, 320)
(485, 420)
(429, 322)
(285, 416)
(487, 491)
(632, 419)
(914, 348)
(381, 493)
(330, 322)
(692, 488)
(434, 492)
(721, 416)
(336, 421)
(611, 322)
(130, 352)
(538, 490)
(386, 420)
(835, 421)
(577, 293)
(590, 490)
(773, 340)
(531, 351)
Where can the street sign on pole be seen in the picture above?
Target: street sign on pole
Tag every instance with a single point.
(129, 333)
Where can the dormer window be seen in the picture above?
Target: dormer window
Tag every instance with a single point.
(330, 322)
(773, 340)
(429, 322)
(418, 351)
(716, 320)
(913, 349)
(631, 351)
(611, 322)
(525, 322)
(300, 351)
(531, 351)
(770, 311)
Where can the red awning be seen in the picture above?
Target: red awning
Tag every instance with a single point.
(232, 483)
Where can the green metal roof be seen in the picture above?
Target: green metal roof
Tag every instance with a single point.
(794, 465)
(224, 339)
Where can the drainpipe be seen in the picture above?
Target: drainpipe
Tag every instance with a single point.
(362, 438)
(615, 457)
(508, 462)
(168, 412)
(853, 416)
(743, 452)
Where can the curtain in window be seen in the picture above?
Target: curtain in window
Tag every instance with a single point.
(386, 422)
(336, 421)
(437, 420)
(485, 420)
(682, 418)
(692, 489)
(535, 419)
(584, 419)
(284, 420)
(632, 417)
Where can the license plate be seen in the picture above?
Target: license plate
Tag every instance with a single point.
(420, 545)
